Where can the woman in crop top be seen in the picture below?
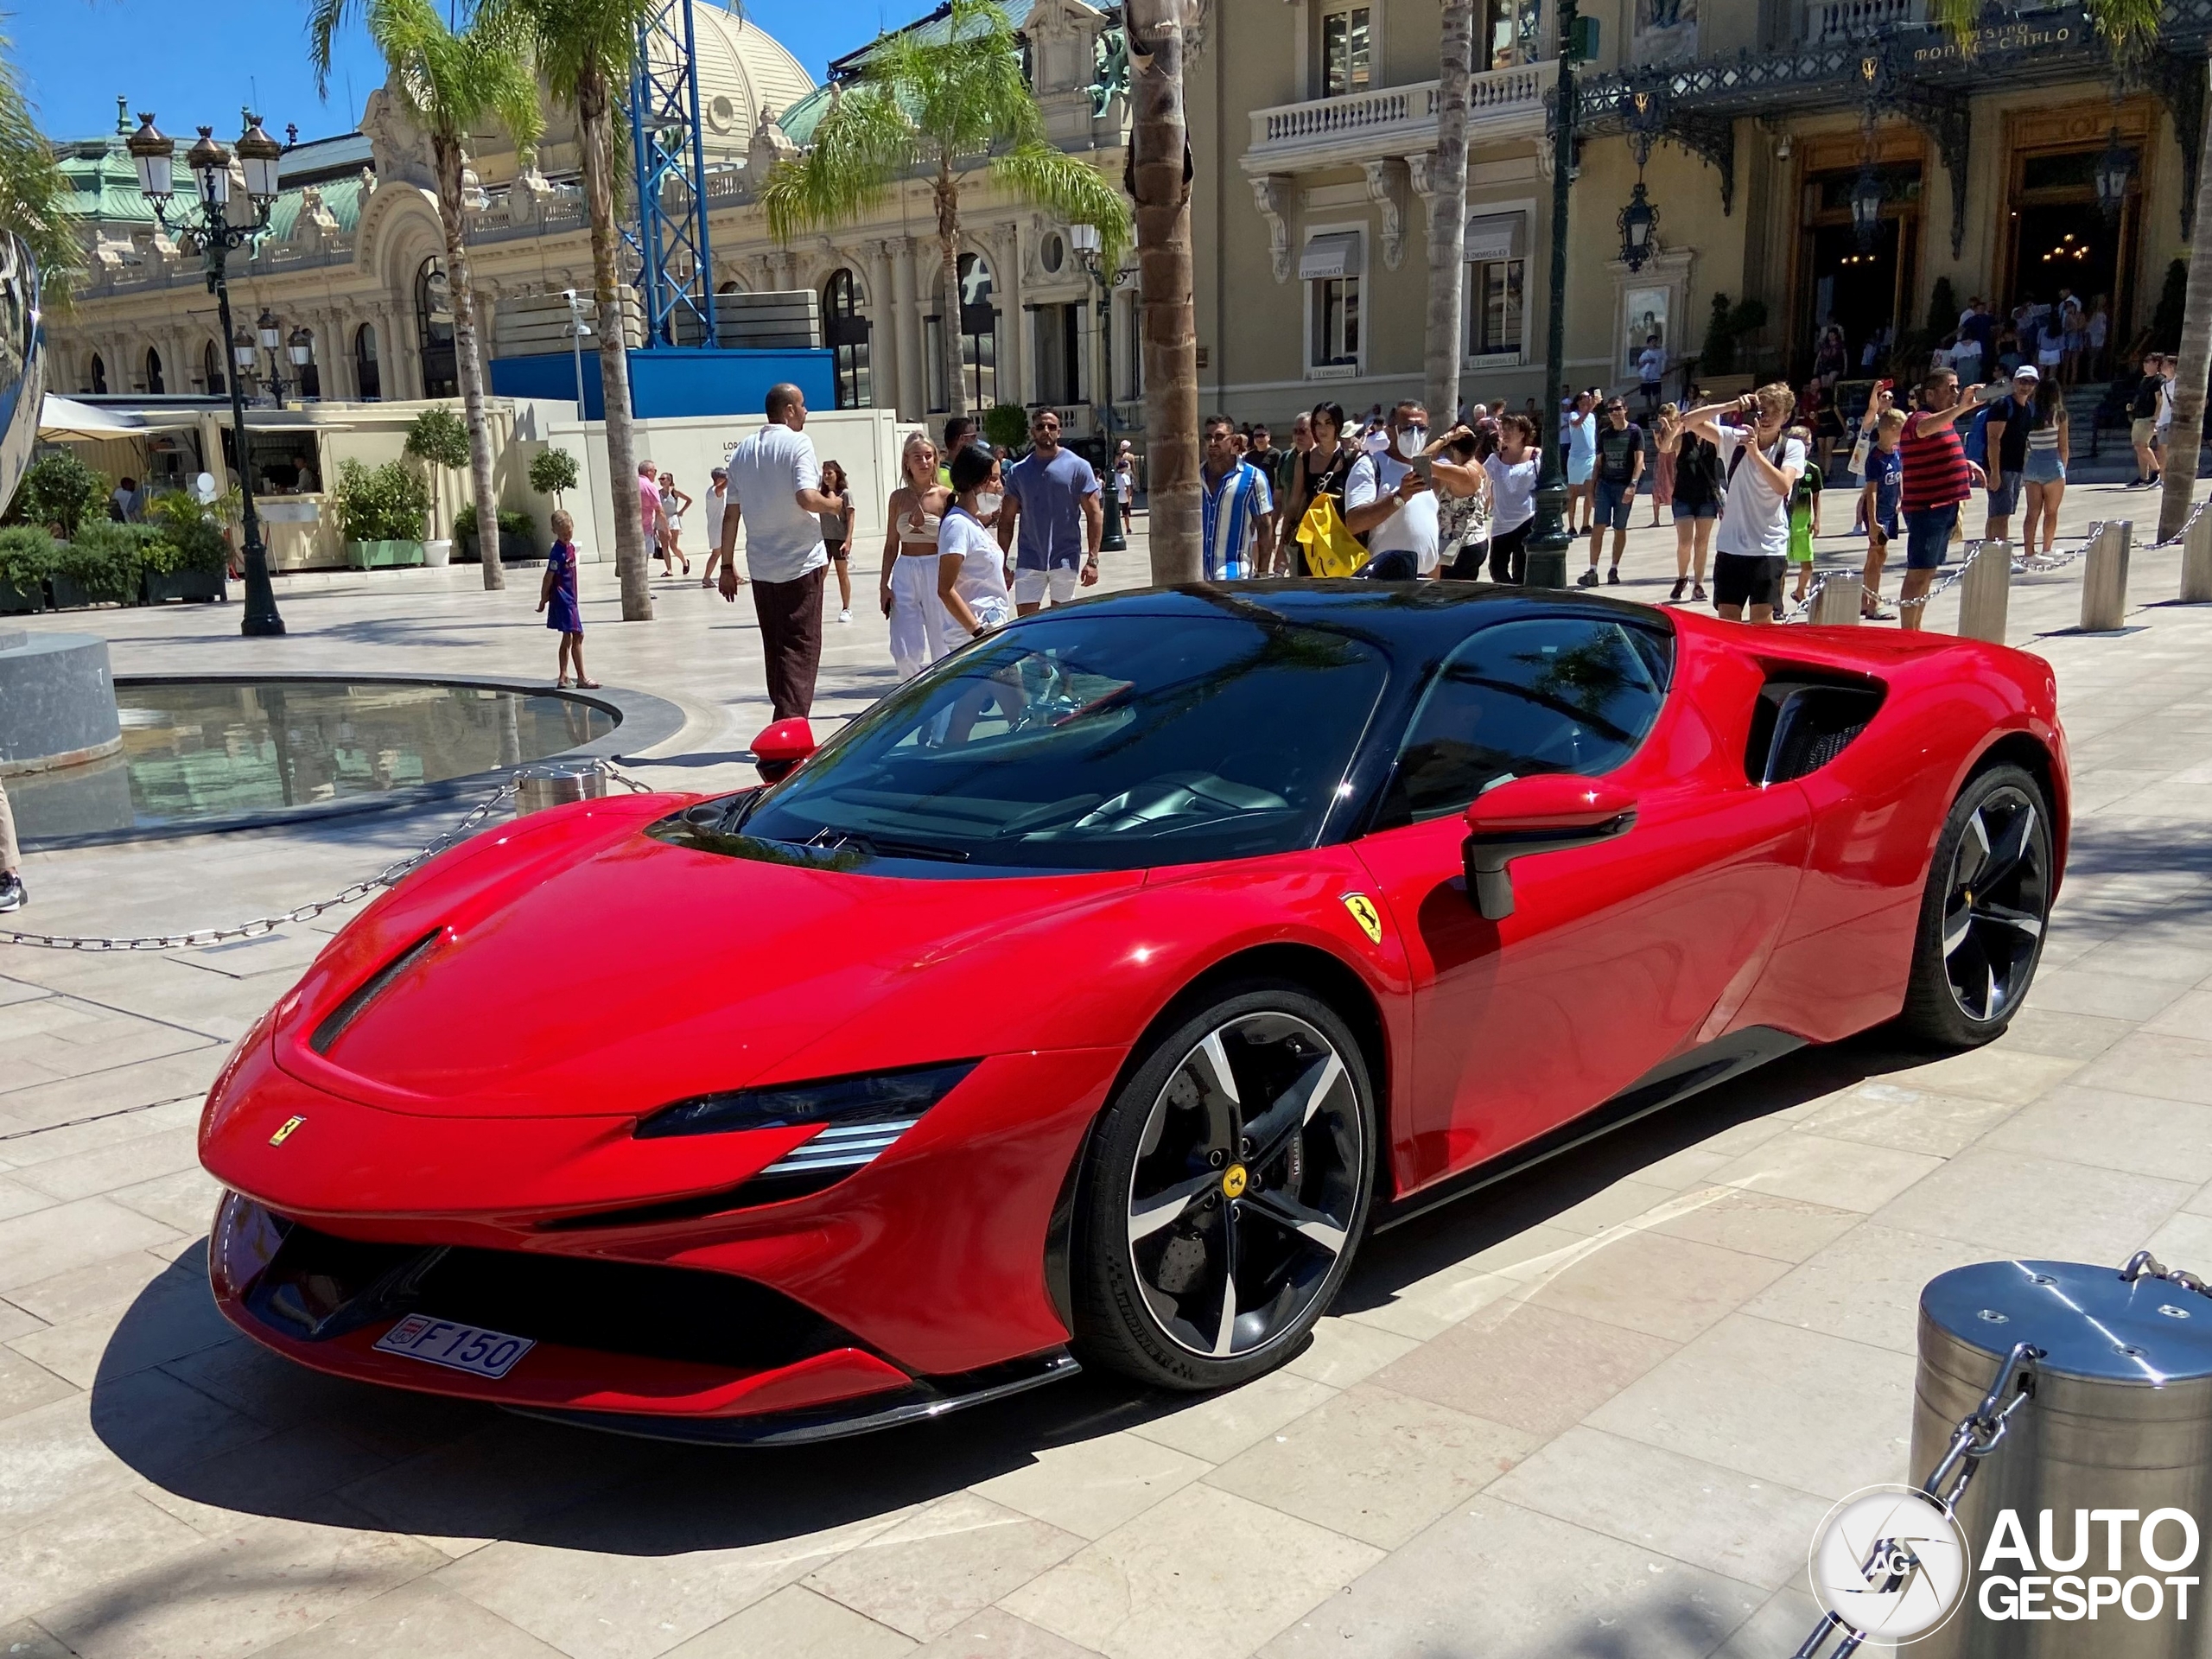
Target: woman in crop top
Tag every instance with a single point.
(909, 581)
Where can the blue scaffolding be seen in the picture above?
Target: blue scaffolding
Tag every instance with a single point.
(676, 275)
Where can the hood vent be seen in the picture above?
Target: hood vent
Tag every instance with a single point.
(335, 1022)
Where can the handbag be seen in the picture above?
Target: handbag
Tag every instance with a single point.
(1330, 548)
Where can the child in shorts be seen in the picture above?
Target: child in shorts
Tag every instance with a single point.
(1878, 499)
(1804, 517)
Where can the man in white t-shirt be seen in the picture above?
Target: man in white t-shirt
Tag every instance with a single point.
(775, 488)
(1389, 503)
(1760, 468)
(1651, 374)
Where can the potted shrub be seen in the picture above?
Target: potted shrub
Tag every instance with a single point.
(99, 566)
(381, 511)
(518, 535)
(184, 554)
(553, 472)
(440, 441)
(60, 492)
(27, 559)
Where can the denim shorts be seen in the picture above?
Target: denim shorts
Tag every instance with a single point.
(1614, 501)
(2004, 498)
(1686, 511)
(1928, 536)
(2045, 467)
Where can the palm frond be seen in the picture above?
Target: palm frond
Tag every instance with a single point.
(862, 146)
(325, 19)
(35, 195)
(454, 83)
(1078, 192)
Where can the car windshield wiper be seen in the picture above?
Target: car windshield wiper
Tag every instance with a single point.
(882, 847)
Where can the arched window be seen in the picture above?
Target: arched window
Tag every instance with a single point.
(433, 324)
(154, 370)
(211, 367)
(365, 376)
(99, 373)
(846, 331)
(979, 340)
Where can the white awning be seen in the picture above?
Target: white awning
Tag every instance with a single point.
(1330, 255)
(65, 418)
(1497, 236)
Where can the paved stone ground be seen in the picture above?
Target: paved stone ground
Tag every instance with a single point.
(1595, 1412)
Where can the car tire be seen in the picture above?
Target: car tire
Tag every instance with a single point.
(1224, 1190)
(1983, 913)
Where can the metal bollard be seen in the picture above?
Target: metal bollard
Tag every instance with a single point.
(1986, 593)
(1836, 605)
(2103, 581)
(556, 782)
(2196, 557)
(2119, 1419)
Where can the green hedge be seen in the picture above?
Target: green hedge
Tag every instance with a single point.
(105, 560)
(383, 504)
(28, 556)
(511, 523)
(187, 535)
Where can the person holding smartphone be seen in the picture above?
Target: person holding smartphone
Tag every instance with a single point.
(1938, 481)
(1761, 465)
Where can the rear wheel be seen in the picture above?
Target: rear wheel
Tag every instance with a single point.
(1225, 1190)
(1982, 918)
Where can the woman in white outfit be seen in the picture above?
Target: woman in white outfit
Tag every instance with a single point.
(971, 572)
(909, 580)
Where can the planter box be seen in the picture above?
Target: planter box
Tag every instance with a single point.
(202, 585)
(383, 555)
(69, 595)
(15, 601)
(516, 547)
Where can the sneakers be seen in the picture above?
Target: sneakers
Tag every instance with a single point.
(1697, 594)
(844, 616)
(1682, 587)
(2145, 483)
(1613, 575)
(1588, 578)
(12, 893)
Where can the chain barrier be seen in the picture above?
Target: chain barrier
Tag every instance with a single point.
(2023, 564)
(1977, 1434)
(2143, 1265)
(390, 875)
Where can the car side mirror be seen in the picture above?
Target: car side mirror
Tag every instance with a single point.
(1548, 813)
(778, 751)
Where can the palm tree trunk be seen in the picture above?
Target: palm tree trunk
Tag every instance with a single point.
(948, 332)
(2186, 435)
(1166, 320)
(468, 358)
(1448, 217)
(596, 131)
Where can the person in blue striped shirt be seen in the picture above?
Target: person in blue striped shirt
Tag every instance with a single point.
(1237, 536)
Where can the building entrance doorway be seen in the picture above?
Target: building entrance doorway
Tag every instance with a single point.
(2061, 241)
(1863, 289)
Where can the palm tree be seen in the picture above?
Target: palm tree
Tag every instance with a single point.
(1160, 175)
(935, 102)
(1447, 215)
(450, 85)
(585, 49)
(33, 194)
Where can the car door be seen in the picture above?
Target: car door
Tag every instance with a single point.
(1618, 956)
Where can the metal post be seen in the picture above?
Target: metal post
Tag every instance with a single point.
(2196, 558)
(1110, 540)
(1548, 543)
(1837, 605)
(261, 616)
(2104, 581)
(1986, 593)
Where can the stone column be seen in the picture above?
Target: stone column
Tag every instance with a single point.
(887, 384)
(1013, 387)
(910, 272)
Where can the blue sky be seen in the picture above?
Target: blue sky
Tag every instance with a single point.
(76, 54)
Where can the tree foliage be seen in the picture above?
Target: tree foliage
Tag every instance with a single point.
(553, 472)
(439, 437)
(60, 492)
(34, 195)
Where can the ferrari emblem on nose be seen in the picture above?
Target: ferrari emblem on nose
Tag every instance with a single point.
(285, 1133)
(1364, 911)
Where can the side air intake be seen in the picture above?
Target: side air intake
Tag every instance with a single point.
(1801, 724)
(335, 1022)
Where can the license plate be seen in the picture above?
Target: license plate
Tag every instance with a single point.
(461, 1347)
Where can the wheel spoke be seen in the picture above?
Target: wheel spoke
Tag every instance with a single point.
(1271, 1131)
(1974, 846)
(1309, 1224)
(1225, 1333)
(1212, 1060)
(2010, 848)
(1956, 926)
(1149, 1216)
(2005, 916)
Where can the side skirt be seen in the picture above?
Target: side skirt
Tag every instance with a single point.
(1673, 1080)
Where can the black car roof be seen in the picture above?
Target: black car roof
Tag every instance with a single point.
(1418, 618)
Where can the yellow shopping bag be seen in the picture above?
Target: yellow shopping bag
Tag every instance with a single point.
(1330, 548)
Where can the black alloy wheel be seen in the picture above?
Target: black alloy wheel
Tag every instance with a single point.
(1988, 903)
(1230, 1183)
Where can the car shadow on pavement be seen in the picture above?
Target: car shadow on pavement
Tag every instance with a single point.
(215, 1420)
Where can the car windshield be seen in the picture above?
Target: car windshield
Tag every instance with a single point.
(1111, 741)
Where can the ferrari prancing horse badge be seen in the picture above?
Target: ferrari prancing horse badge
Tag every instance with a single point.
(1364, 911)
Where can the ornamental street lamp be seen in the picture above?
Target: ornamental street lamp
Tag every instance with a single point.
(1638, 221)
(153, 155)
(1086, 242)
(2115, 168)
(1866, 206)
(1549, 540)
(299, 345)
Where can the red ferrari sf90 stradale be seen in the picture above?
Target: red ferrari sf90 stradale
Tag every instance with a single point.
(1089, 998)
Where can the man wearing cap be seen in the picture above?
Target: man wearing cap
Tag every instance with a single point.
(2009, 418)
(717, 503)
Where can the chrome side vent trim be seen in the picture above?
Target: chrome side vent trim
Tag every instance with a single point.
(847, 1146)
(357, 1003)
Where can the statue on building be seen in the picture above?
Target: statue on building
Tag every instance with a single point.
(401, 150)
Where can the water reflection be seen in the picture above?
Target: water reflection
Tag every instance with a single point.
(196, 752)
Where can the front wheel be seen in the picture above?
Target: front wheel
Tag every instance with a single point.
(1225, 1189)
(1983, 915)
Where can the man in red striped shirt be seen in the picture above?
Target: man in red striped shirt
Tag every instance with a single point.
(1938, 479)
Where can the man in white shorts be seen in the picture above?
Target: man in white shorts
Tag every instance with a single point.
(1051, 518)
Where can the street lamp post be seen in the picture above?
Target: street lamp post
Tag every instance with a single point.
(154, 156)
(1085, 241)
(1548, 541)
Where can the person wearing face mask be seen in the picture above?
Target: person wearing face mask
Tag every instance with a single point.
(1390, 503)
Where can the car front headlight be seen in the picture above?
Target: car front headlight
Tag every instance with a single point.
(857, 1117)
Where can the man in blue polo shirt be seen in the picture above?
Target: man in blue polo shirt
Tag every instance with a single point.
(1051, 518)
(1236, 536)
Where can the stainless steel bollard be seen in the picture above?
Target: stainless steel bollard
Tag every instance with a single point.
(556, 782)
(2104, 580)
(1837, 604)
(2120, 1421)
(1986, 593)
(2196, 557)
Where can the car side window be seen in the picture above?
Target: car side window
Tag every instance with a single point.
(1547, 694)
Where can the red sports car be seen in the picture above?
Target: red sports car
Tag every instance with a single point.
(1091, 996)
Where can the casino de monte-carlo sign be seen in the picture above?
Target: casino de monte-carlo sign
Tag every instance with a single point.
(2065, 30)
